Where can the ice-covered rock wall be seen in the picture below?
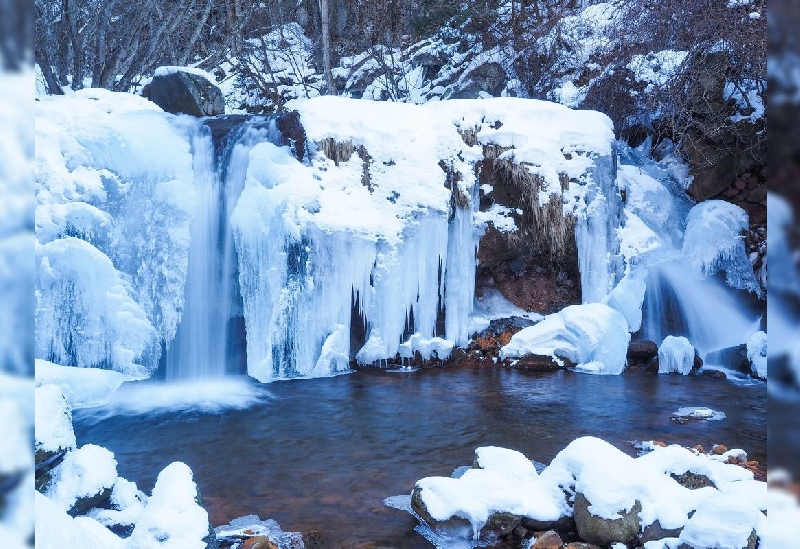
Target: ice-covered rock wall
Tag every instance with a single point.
(115, 196)
(378, 232)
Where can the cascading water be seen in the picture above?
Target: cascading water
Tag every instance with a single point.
(210, 334)
(680, 302)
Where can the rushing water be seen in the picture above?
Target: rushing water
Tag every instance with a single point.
(322, 454)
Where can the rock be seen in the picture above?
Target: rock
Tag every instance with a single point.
(548, 540)
(654, 532)
(293, 133)
(454, 526)
(181, 92)
(603, 531)
(581, 545)
(314, 540)
(732, 357)
(488, 78)
(719, 449)
(752, 543)
(100, 500)
(258, 542)
(501, 524)
(539, 363)
(692, 480)
(642, 350)
(45, 462)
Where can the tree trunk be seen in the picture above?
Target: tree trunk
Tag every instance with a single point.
(326, 45)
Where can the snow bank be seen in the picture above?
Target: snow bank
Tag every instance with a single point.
(53, 420)
(114, 198)
(172, 518)
(675, 354)
(55, 529)
(757, 354)
(82, 387)
(714, 242)
(612, 482)
(593, 336)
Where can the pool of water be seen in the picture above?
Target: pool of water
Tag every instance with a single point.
(322, 454)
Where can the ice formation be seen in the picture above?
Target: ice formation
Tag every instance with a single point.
(675, 354)
(593, 336)
(757, 354)
(402, 213)
(714, 242)
(114, 197)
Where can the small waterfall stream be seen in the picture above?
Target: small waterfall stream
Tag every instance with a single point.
(210, 338)
(709, 314)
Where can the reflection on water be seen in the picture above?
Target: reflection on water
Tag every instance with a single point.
(322, 454)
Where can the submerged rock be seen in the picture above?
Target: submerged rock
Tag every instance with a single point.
(604, 531)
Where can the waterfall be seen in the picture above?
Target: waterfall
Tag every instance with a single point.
(680, 302)
(210, 337)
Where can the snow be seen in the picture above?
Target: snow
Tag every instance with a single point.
(628, 295)
(82, 387)
(593, 336)
(675, 354)
(55, 529)
(167, 70)
(128, 503)
(53, 420)
(612, 482)
(714, 242)
(757, 354)
(85, 472)
(723, 520)
(784, 512)
(172, 518)
(656, 68)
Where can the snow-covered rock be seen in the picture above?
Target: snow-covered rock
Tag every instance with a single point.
(54, 431)
(675, 354)
(84, 479)
(592, 336)
(185, 90)
(82, 387)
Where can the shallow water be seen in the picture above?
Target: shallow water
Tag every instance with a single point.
(322, 454)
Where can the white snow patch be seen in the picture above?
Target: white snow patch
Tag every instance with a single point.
(698, 412)
(53, 420)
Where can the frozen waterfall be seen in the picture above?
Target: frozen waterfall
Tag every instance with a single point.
(207, 340)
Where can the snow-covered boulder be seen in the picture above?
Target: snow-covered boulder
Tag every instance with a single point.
(592, 336)
(84, 479)
(757, 354)
(723, 520)
(675, 354)
(82, 387)
(186, 90)
(55, 529)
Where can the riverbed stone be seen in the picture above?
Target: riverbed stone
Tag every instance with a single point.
(603, 531)
(501, 523)
(693, 480)
(258, 542)
(100, 500)
(581, 545)
(547, 540)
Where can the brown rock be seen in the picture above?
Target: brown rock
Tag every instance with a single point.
(719, 449)
(699, 448)
(752, 463)
(258, 542)
(642, 350)
(581, 545)
(660, 443)
(548, 540)
(692, 480)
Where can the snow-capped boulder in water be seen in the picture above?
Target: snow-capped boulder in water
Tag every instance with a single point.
(54, 435)
(592, 336)
(757, 354)
(714, 242)
(185, 90)
(675, 354)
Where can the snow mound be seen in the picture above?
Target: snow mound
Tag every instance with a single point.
(172, 518)
(723, 520)
(714, 242)
(593, 336)
(55, 529)
(82, 387)
(675, 354)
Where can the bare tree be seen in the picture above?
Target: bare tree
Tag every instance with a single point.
(326, 45)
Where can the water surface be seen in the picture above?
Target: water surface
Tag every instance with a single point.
(322, 454)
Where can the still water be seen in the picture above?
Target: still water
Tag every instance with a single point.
(322, 454)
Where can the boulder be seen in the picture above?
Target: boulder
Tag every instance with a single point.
(181, 90)
(643, 350)
(548, 540)
(488, 78)
(693, 481)
(752, 543)
(501, 524)
(581, 545)
(655, 532)
(603, 531)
